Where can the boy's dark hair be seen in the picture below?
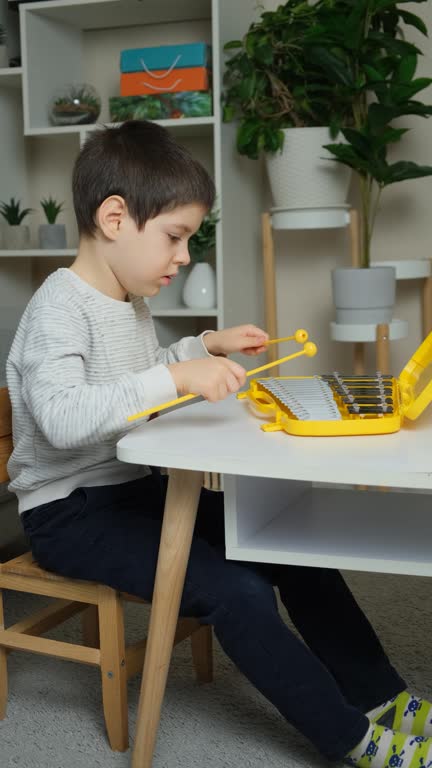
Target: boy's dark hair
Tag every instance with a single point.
(140, 161)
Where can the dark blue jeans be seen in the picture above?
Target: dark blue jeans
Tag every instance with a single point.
(111, 534)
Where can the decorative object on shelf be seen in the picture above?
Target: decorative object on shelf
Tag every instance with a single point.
(75, 104)
(163, 82)
(200, 287)
(52, 235)
(287, 106)
(4, 59)
(165, 106)
(165, 69)
(366, 56)
(16, 234)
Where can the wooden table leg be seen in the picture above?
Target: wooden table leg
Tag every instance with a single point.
(181, 505)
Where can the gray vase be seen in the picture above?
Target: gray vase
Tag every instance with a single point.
(17, 237)
(364, 295)
(52, 236)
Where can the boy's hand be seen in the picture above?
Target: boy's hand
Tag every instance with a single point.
(247, 339)
(214, 377)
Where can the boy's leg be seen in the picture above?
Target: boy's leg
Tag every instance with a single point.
(326, 614)
(112, 535)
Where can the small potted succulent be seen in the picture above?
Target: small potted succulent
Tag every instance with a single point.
(4, 60)
(200, 287)
(16, 234)
(52, 235)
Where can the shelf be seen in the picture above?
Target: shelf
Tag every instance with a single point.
(188, 126)
(105, 14)
(310, 218)
(30, 252)
(408, 269)
(353, 332)
(11, 77)
(345, 529)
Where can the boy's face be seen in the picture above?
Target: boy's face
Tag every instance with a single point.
(146, 260)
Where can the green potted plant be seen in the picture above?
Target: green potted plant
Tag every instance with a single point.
(16, 234)
(200, 286)
(287, 106)
(362, 49)
(4, 59)
(52, 235)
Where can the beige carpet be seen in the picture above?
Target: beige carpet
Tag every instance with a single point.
(55, 714)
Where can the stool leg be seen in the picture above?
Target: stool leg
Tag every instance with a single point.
(90, 627)
(359, 359)
(113, 668)
(383, 348)
(202, 654)
(3, 668)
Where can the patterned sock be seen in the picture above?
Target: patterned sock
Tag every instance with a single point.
(406, 713)
(383, 748)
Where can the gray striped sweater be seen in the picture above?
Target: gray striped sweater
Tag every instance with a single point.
(80, 363)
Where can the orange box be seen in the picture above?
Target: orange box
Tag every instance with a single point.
(164, 81)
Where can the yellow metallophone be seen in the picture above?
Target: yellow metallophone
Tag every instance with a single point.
(334, 404)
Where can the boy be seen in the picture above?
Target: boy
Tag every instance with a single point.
(85, 355)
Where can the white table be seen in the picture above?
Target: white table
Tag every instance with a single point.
(277, 509)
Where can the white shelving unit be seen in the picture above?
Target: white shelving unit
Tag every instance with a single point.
(65, 41)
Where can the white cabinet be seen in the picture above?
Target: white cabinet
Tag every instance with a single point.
(64, 41)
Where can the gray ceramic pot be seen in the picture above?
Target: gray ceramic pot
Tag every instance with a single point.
(17, 238)
(52, 236)
(364, 295)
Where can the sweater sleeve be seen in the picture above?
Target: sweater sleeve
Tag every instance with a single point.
(70, 411)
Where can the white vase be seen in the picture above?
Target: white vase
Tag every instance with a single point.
(303, 175)
(199, 291)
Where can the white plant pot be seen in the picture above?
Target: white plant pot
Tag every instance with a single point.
(4, 57)
(52, 236)
(303, 175)
(17, 238)
(364, 295)
(200, 287)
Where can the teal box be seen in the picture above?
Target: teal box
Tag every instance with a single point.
(163, 106)
(165, 57)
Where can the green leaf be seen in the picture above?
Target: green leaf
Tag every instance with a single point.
(414, 21)
(404, 170)
(233, 44)
(407, 68)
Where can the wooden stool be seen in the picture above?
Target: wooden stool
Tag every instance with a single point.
(102, 623)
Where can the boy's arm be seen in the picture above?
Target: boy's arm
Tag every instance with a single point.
(187, 348)
(70, 411)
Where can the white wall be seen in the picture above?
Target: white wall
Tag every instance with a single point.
(403, 231)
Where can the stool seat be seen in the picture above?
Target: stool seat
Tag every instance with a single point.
(26, 565)
(366, 332)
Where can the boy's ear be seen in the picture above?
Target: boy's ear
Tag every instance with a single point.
(110, 214)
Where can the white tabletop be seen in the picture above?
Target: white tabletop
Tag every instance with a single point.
(226, 437)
